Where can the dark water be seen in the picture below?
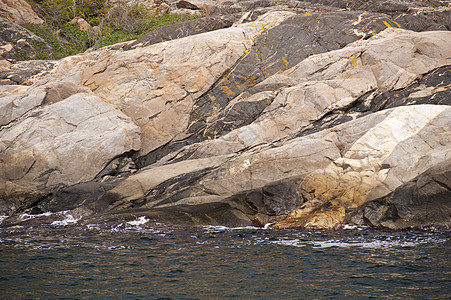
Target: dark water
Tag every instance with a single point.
(152, 261)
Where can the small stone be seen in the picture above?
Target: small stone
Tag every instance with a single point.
(186, 5)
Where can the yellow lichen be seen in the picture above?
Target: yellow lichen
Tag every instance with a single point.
(285, 62)
(388, 25)
(230, 94)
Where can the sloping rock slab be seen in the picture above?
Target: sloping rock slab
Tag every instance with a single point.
(423, 201)
(64, 143)
(179, 30)
(330, 171)
(277, 50)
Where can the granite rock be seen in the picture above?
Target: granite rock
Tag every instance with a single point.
(423, 201)
(19, 12)
(303, 117)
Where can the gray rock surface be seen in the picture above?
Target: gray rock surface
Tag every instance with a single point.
(63, 143)
(179, 30)
(298, 118)
(423, 201)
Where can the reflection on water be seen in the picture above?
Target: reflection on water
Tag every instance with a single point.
(139, 260)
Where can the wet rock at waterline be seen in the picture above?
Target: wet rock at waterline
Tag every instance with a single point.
(60, 144)
(423, 201)
(297, 119)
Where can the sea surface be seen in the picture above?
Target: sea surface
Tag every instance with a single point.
(144, 260)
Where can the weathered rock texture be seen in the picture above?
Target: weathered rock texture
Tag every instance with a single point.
(308, 118)
(17, 41)
(179, 30)
(19, 12)
(53, 146)
(423, 201)
(24, 72)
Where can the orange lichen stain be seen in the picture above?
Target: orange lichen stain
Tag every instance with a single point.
(396, 24)
(388, 25)
(250, 79)
(354, 62)
(230, 94)
(285, 62)
(237, 110)
(308, 15)
(258, 57)
(262, 68)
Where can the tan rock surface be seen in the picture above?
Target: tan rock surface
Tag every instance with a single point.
(19, 12)
(156, 85)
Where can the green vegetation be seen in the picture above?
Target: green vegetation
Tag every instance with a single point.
(112, 25)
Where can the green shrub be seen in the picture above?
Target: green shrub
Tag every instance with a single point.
(59, 12)
(119, 24)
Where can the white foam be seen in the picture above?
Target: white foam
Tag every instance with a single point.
(2, 218)
(293, 243)
(268, 226)
(372, 244)
(348, 244)
(140, 221)
(67, 221)
(93, 226)
(352, 227)
(218, 228)
(26, 216)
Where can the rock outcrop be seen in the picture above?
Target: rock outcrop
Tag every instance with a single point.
(53, 145)
(17, 42)
(179, 30)
(302, 118)
(19, 12)
(423, 201)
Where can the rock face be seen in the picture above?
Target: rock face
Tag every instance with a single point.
(179, 30)
(52, 146)
(24, 72)
(159, 83)
(302, 118)
(16, 42)
(19, 12)
(422, 201)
